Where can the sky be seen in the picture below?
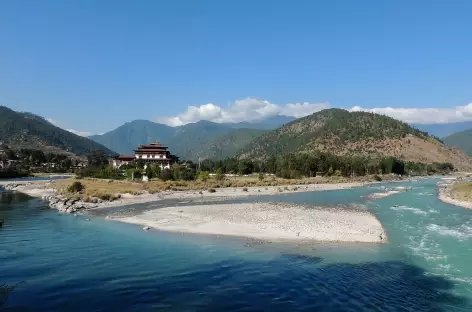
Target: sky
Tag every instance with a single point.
(90, 66)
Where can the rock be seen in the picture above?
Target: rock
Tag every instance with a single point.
(146, 228)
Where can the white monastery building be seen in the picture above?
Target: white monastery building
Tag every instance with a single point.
(153, 153)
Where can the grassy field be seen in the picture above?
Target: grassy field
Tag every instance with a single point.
(462, 191)
(111, 189)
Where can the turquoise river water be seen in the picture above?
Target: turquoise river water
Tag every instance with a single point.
(59, 262)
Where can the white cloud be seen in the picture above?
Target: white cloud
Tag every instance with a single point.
(423, 115)
(52, 121)
(249, 109)
(81, 133)
(58, 124)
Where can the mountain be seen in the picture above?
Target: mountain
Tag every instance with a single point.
(186, 141)
(270, 123)
(341, 132)
(461, 140)
(204, 139)
(444, 130)
(230, 143)
(26, 130)
(127, 137)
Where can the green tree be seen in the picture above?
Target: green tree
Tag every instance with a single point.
(219, 175)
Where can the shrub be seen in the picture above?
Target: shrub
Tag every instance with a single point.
(261, 177)
(76, 187)
(203, 175)
(219, 175)
(377, 178)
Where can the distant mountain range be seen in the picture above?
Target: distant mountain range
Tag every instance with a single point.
(26, 130)
(204, 139)
(334, 130)
(341, 132)
(444, 130)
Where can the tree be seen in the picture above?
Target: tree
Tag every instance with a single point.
(203, 175)
(166, 175)
(149, 172)
(219, 175)
(97, 159)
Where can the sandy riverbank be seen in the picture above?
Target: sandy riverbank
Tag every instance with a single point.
(266, 221)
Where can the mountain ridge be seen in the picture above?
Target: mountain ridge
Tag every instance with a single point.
(27, 130)
(190, 141)
(461, 140)
(341, 132)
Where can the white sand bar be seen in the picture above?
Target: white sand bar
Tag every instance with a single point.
(266, 221)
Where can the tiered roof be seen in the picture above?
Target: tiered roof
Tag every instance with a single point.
(153, 147)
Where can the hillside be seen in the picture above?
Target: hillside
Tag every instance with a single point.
(186, 141)
(127, 137)
(341, 132)
(26, 130)
(229, 144)
(461, 140)
(204, 138)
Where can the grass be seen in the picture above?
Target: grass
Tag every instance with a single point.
(462, 191)
(94, 189)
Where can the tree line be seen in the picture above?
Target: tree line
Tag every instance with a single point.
(291, 166)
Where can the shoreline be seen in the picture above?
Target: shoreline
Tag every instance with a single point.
(444, 195)
(42, 189)
(259, 221)
(265, 221)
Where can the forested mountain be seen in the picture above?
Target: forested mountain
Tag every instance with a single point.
(229, 144)
(26, 130)
(340, 132)
(187, 142)
(461, 140)
(202, 139)
(127, 137)
(270, 123)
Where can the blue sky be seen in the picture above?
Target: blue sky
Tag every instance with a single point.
(92, 65)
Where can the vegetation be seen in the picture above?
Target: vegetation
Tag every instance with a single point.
(298, 165)
(26, 130)
(338, 132)
(75, 187)
(230, 143)
(202, 139)
(462, 140)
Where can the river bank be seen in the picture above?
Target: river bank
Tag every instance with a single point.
(47, 190)
(450, 193)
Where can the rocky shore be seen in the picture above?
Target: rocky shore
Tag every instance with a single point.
(45, 190)
(42, 190)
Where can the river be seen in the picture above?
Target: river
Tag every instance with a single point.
(85, 263)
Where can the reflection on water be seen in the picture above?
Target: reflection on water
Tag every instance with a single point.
(74, 263)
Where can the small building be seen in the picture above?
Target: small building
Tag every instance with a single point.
(121, 160)
(154, 153)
